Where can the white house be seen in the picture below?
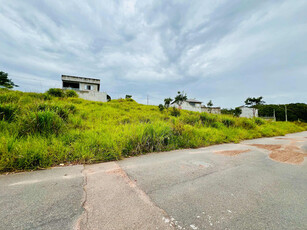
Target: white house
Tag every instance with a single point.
(248, 112)
(87, 88)
(214, 110)
(189, 104)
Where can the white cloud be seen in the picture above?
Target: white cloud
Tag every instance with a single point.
(206, 48)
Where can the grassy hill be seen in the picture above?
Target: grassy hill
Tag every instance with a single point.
(39, 130)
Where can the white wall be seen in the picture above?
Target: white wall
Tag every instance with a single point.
(186, 106)
(212, 110)
(248, 112)
(83, 86)
(93, 95)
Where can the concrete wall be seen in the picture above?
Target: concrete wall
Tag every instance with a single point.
(248, 112)
(83, 87)
(187, 106)
(212, 110)
(93, 95)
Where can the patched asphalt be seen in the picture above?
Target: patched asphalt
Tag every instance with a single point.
(182, 189)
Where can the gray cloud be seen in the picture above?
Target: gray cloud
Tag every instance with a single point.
(219, 50)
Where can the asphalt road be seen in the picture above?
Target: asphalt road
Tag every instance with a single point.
(182, 189)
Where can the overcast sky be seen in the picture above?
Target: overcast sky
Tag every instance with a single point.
(225, 51)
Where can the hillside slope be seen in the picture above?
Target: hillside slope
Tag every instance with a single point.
(38, 130)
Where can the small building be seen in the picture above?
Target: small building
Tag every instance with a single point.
(189, 104)
(214, 110)
(248, 112)
(87, 88)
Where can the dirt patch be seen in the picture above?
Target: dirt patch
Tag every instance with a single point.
(267, 147)
(284, 138)
(231, 152)
(289, 153)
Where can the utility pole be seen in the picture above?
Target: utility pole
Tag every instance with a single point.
(286, 115)
(274, 115)
(147, 100)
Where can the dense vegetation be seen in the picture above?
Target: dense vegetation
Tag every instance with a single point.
(295, 111)
(40, 130)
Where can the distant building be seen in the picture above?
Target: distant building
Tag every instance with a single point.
(248, 112)
(87, 88)
(214, 110)
(189, 104)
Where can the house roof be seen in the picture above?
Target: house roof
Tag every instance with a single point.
(80, 79)
(193, 101)
(211, 107)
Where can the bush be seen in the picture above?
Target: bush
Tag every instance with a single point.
(259, 121)
(56, 92)
(247, 123)
(71, 93)
(175, 112)
(228, 122)
(161, 107)
(42, 122)
(7, 111)
(208, 119)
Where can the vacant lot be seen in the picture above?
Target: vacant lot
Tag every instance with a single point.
(39, 130)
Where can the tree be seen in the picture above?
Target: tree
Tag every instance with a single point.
(180, 98)
(161, 107)
(237, 112)
(167, 102)
(128, 96)
(253, 101)
(5, 81)
(210, 104)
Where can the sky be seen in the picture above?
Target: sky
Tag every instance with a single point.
(218, 50)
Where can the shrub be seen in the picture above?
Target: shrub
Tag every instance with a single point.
(161, 107)
(7, 111)
(175, 112)
(228, 122)
(71, 93)
(191, 119)
(56, 92)
(247, 123)
(43, 122)
(259, 121)
(208, 119)
(217, 125)
(62, 111)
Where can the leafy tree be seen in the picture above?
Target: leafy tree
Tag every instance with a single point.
(295, 111)
(167, 102)
(128, 96)
(161, 107)
(254, 101)
(210, 104)
(180, 98)
(237, 112)
(5, 81)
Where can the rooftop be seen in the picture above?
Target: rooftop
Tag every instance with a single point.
(193, 101)
(80, 79)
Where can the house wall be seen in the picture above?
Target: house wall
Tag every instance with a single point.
(83, 86)
(248, 112)
(187, 106)
(93, 95)
(213, 110)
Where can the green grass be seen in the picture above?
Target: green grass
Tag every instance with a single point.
(39, 130)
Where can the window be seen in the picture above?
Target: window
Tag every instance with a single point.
(88, 87)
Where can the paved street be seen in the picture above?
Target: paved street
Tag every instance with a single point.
(256, 184)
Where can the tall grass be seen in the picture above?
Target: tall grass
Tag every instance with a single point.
(42, 130)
